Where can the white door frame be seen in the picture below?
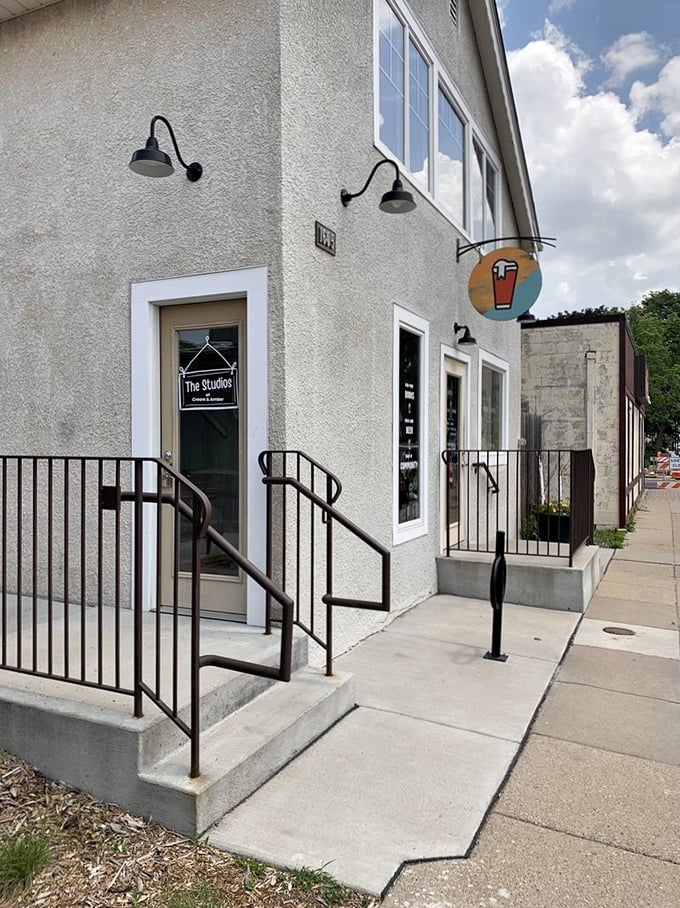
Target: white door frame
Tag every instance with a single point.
(465, 361)
(146, 297)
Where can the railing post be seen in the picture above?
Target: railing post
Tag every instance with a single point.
(329, 580)
(138, 585)
(195, 636)
(269, 544)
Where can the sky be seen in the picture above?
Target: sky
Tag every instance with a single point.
(597, 89)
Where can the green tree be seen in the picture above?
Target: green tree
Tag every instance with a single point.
(655, 324)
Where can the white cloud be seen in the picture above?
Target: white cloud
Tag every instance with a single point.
(502, 5)
(661, 97)
(557, 6)
(628, 54)
(609, 191)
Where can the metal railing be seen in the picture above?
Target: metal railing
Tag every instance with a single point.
(308, 495)
(543, 500)
(67, 572)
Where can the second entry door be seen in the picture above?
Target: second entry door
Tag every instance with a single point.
(203, 433)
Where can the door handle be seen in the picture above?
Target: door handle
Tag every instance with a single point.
(166, 478)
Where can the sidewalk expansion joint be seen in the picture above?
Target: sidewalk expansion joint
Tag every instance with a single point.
(606, 750)
(614, 690)
(471, 731)
(585, 838)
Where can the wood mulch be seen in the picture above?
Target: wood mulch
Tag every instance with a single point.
(101, 856)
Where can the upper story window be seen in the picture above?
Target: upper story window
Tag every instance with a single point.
(451, 159)
(423, 123)
(484, 194)
(392, 89)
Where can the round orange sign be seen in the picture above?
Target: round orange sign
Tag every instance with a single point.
(504, 284)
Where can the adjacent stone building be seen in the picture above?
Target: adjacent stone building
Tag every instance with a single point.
(584, 382)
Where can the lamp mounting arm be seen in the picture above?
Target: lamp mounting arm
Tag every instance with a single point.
(346, 197)
(152, 134)
(462, 248)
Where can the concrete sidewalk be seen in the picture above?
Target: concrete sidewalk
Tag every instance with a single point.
(411, 772)
(589, 815)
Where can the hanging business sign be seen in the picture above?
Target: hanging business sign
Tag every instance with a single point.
(208, 388)
(505, 283)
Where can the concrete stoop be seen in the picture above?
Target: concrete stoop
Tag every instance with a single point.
(251, 728)
(531, 580)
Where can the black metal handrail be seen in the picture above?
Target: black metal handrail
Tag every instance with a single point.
(66, 548)
(483, 465)
(541, 499)
(330, 515)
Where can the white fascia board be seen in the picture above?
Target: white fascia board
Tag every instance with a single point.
(492, 52)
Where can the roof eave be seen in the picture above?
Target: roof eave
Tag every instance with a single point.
(492, 51)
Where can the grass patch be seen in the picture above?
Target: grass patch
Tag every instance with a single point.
(254, 871)
(203, 895)
(21, 859)
(609, 539)
(321, 884)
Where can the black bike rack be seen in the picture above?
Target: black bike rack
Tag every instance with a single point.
(499, 575)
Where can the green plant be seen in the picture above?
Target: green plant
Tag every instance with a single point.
(21, 858)
(561, 507)
(609, 539)
(254, 871)
(203, 895)
(529, 528)
(322, 884)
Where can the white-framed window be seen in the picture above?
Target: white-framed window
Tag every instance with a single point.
(493, 402)
(410, 396)
(483, 194)
(423, 123)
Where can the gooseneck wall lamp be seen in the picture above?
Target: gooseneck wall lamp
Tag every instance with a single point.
(467, 338)
(397, 201)
(150, 161)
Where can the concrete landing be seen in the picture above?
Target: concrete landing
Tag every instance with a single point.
(411, 773)
(537, 580)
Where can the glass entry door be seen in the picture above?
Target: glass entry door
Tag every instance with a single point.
(203, 435)
(454, 433)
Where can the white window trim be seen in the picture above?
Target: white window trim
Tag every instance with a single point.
(438, 76)
(146, 299)
(414, 528)
(502, 366)
(464, 360)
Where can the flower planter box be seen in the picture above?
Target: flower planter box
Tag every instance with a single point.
(554, 527)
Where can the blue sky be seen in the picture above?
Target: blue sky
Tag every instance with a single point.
(597, 86)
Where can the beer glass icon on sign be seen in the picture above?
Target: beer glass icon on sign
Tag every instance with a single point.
(504, 275)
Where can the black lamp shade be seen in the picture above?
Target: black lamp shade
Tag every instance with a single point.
(467, 338)
(397, 200)
(151, 161)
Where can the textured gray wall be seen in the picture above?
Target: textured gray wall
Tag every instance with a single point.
(76, 226)
(276, 101)
(339, 311)
(554, 387)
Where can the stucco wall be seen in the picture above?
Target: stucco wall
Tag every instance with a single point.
(554, 387)
(276, 101)
(81, 81)
(339, 310)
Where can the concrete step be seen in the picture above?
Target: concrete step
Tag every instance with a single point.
(90, 739)
(244, 750)
(531, 580)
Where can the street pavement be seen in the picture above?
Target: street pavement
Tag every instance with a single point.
(590, 814)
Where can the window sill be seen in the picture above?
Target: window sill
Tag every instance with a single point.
(407, 532)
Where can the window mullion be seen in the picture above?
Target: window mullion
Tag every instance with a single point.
(407, 99)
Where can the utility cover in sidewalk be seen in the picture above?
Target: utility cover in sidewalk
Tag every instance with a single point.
(621, 631)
